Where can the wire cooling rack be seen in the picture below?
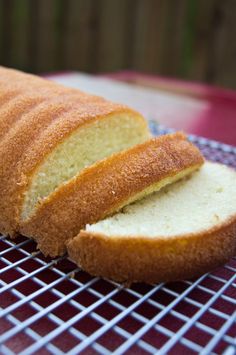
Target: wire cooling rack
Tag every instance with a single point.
(52, 307)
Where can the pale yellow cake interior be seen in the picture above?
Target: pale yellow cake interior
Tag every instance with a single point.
(88, 144)
(201, 202)
(155, 187)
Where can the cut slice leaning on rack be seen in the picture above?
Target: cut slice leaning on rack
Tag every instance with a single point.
(107, 186)
(182, 231)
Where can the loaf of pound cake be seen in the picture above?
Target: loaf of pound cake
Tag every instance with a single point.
(83, 175)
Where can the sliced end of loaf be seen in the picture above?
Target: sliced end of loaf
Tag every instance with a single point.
(89, 143)
(182, 231)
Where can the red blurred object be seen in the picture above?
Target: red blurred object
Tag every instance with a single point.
(213, 115)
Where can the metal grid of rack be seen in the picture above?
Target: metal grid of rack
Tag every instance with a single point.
(53, 307)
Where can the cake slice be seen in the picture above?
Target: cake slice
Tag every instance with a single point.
(105, 187)
(182, 231)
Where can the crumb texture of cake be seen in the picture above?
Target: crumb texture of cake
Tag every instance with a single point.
(91, 143)
(209, 191)
(48, 134)
(105, 187)
(182, 231)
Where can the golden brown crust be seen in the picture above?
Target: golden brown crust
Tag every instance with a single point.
(35, 116)
(157, 259)
(14, 80)
(104, 187)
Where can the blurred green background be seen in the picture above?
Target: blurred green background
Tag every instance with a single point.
(188, 39)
